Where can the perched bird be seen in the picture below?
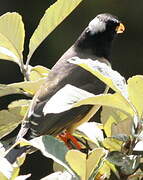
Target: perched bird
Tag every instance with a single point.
(94, 43)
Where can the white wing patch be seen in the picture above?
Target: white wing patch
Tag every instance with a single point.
(65, 98)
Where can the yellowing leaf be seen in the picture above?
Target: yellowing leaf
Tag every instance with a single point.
(38, 72)
(110, 100)
(9, 119)
(82, 164)
(77, 161)
(104, 170)
(12, 36)
(135, 89)
(7, 51)
(105, 73)
(115, 122)
(94, 159)
(30, 87)
(7, 90)
(112, 144)
(51, 19)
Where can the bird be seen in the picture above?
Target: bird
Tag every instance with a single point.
(94, 43)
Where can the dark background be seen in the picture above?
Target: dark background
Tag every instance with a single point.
(127, 53)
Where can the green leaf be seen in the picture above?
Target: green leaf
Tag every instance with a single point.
(116, 158)
(10, 119)
(128, 163)
(11, 37)
(116, 122)
(105, 73)
(135, 89)
(7, 90)
(49, 145)
(51, 19)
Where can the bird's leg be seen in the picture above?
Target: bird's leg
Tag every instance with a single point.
(70, 140)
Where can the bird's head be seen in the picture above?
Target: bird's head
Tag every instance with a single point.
(98, 35)
(105, 23)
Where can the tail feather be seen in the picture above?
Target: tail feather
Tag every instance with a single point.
(16, 152)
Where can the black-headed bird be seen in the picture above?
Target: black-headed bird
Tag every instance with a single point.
(94, 43)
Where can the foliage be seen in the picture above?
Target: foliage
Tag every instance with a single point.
(113, 146)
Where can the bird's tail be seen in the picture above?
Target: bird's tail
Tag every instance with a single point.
(16, 152)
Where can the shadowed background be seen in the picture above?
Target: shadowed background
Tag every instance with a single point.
(127, 52)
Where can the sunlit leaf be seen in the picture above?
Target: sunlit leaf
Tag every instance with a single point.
(106, 169)
(105, 73)
(94, 161)
(59, 176)
(112, 144)
(70, 96)
(135, 89)
(6, 169)
(65, 98)
(110, 100)
(82, 164)
(38, 72)
(31, 87)
(12, 36)
(77, 161)
(92, 131)
(116, 122)
(53, 16)
(10, 119)
(23, 177)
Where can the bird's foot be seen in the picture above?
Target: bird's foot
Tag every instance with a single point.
(70, 140)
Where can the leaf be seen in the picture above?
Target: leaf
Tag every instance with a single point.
(110, 100)
(38, 72)
(77, 161)
(116, 122)
(106, 169)
(30, 87)
(128, 163)
(7, 90)
(112, 144)
(135, 89)
(49, 145)
(70, 96)
(12, 36)
(51, 19)
(10, 119)
(82, 164)
(59, 176)
(104, 72)
(92, 131)
(116, 158)
(64, 99)
(5, 169)
(22, 177)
